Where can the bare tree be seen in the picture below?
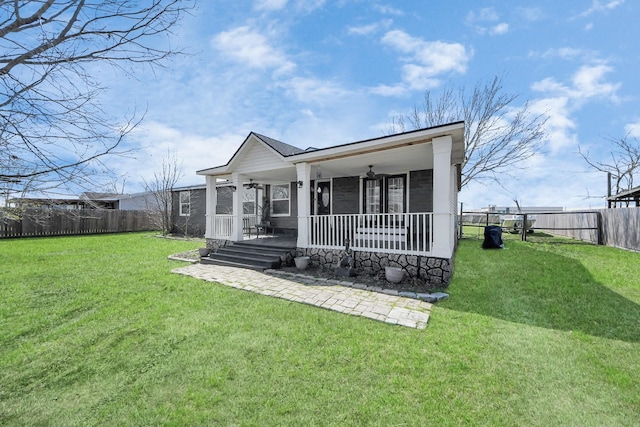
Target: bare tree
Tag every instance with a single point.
(622, 162)
(498, 136)
(52, 126)
(161, 188)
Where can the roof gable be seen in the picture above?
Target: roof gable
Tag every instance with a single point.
(257, 152)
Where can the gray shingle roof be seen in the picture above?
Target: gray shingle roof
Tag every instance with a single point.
(281, 147)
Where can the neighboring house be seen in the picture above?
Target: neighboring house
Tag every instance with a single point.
(88, 200)
(393, 198)
(46, 203)
(188, 210)
(94, 200)
(137, 202)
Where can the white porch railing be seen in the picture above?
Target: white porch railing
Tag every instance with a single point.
(223, 225)
(407, 233)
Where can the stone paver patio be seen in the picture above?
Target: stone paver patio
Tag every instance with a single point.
(393, 309)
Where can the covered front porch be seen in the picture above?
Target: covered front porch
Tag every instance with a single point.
(391, 195)
(408, 233)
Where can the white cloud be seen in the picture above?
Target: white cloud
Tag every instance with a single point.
(364, 30)
(154, 140)
(426, 60)
(252, 49)
(389, 10)
(314, 91)
(500, 29)
(308, 6)
(599, 6)
(484, 21)
(560, 127)
(561, 101)
(562, 53)
(632, 129)
(588, 82)
(487, 14)
(269, 4)
(390, 90)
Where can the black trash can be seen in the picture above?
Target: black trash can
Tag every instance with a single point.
(492, 237)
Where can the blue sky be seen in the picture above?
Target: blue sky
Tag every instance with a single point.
(324, 72)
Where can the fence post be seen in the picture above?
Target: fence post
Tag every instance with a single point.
(599, 231)
(523, 229)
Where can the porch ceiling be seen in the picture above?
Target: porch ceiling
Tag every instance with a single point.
(390, 161)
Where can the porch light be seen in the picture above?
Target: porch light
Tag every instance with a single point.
(319, 190)
(300, 184)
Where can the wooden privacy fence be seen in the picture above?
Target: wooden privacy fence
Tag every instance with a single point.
(585, 225)
(39, 223)
(621, 227)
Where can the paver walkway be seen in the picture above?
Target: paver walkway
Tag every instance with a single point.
(373, 305)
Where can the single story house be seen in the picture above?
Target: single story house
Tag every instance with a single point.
(392, 198)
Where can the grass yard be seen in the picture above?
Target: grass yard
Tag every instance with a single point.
(96, 331)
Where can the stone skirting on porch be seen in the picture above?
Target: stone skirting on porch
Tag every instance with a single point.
(430, 270)
(215, 244)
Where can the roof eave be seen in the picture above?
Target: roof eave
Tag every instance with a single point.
(456, 130)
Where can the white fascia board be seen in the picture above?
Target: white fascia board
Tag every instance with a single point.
(456, 130)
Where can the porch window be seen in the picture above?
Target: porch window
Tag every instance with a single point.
(185, 203)
(249, 201)
(280, 200)
(372, 196)
(385, 195)
(395, 194)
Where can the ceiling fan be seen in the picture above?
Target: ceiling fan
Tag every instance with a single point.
(372, 175)
(252, 184)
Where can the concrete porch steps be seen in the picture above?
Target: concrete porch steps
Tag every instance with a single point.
(256, 254)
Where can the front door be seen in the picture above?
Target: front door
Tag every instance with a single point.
(324, 198)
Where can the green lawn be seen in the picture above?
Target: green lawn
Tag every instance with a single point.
(96, 331)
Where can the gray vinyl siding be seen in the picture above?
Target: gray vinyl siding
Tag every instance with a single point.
(288, 222)
(346, 195)
(421, 191)
(195, 223)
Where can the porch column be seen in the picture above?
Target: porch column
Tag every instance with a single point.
(236, 231)
(210, 208)
(443, 239)
(303, 172)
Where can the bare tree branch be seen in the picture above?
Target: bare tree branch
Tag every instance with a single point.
(498, 137)
(161, 187)
(624, 162)
(52, 125)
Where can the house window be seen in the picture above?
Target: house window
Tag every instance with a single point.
(395, 194)
(249, 201)
(280, 200)
(372, 196)
(185, 203)
(385, 195)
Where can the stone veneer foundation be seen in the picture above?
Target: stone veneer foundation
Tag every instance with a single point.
(432, 271)
(215, 244)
